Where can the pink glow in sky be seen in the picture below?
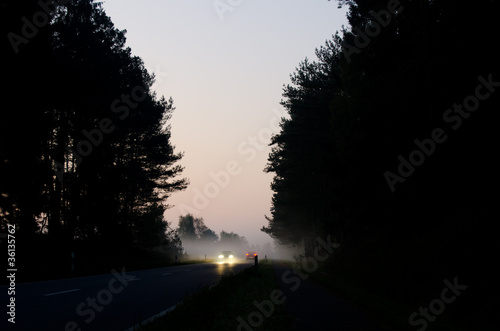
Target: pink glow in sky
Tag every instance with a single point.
(224, 64)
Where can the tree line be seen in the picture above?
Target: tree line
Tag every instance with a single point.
(389, 129)
(389, 149)
(85, 147)
(199, 240)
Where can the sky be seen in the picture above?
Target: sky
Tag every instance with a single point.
(224, 63)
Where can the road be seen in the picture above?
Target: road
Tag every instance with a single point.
(115, 301)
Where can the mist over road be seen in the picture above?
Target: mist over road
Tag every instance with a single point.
(115, 301)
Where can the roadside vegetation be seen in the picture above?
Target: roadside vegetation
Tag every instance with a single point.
(383, 282)
(219, 307)
(360, 158)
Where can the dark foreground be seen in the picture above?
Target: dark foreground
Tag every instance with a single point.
(114, 301)
(313, 307)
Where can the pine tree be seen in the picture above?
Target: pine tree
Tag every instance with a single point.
(93, 160)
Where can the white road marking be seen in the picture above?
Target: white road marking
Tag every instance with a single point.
(130, 278)
(152, 318)
(62, 292)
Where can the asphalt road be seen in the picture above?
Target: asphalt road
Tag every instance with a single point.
(115, 301)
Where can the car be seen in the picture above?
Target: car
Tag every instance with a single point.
(226, 256)
(251, 255)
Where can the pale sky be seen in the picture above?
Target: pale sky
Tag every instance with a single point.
(225, 69)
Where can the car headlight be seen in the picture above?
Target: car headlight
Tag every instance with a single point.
(231, 256)
(221, 256)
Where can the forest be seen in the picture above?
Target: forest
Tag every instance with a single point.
(389, 146)
(87, 162)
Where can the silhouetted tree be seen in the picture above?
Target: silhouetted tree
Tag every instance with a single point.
(86, 151)
(209, 236)
(231, 238)
(303, 152)
(374, 89)
(186, 227)
(194, 229)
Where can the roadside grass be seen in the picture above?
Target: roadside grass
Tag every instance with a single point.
(393, 314)
(391, 284)
(218, 308)
(390, 314)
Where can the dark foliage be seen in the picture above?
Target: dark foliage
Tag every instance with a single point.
(85, 151)
(364, 103)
